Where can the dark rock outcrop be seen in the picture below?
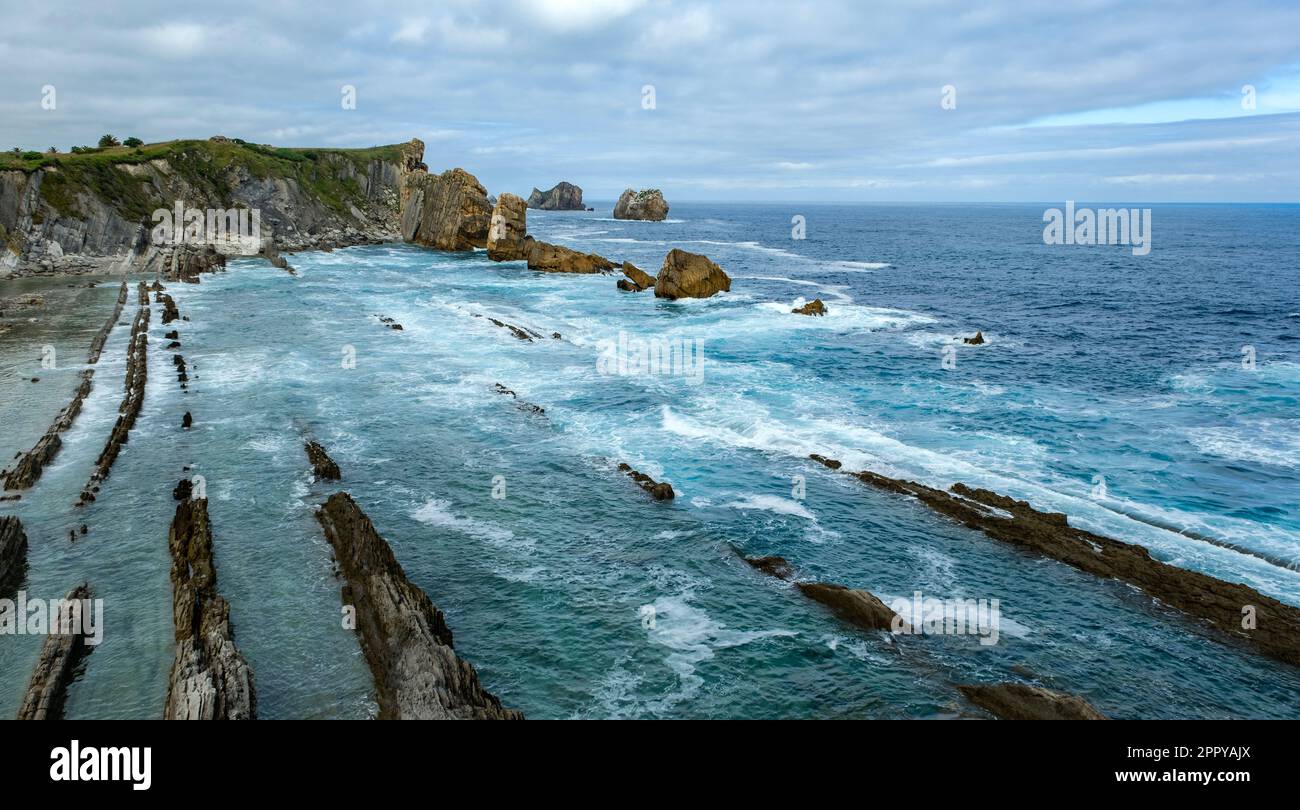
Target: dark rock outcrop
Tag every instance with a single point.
(563, 197)
(813, 307)
(449, 211)
(690, 275)
(188, 262)
(404, 637)
(57, 664)
(660, 491)
(170, 312)
(646, 204)
(210, 680)
(508, 230)
(187, 421)
(550, 258)
(13, 554)
(523, 405)
(325, 467)
(1020, 701)
(978, 340)
(1276, 627)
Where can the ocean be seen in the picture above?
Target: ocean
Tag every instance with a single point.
(1150, 398)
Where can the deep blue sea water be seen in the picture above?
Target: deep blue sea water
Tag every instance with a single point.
(1100, 368)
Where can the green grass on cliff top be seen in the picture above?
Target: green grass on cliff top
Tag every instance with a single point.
(204, 164)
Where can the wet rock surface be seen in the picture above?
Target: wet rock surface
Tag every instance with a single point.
(813, 307)
(509, 229)
(773, 566)
(855, 606)
(404, 637)
(56, 666)
(210, 680)
(548, 258)
(1019, 701)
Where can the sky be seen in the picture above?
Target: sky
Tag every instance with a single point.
(746, 101)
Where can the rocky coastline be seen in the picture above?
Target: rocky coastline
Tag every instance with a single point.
(57, 664)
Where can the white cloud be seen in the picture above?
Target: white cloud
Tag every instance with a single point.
(579, 15)
(174, 40)
(412, 31)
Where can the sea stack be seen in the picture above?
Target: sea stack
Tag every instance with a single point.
(508, 229)
(449, 211)
(647, 204)
(563, 197)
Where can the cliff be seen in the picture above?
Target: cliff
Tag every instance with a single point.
(93, 210)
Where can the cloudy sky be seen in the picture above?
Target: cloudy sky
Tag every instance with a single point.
(755, 100)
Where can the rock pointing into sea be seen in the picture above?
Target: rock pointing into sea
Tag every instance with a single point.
(563, 197)
(404, 637)
(690, 275)
(646, 204)
(449, 211)
(508, 229)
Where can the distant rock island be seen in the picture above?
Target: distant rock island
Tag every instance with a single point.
(563, 197)
(646, 204)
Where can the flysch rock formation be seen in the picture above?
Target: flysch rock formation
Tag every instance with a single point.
(636, 279)
(1020, 701)
(563, 196)
(647, 204)
(32, 463)
(13, 555)
(404, 637)
(93, 213)
(508, 229)
(690, 275)
(137, 369)
(855, 606)
(210, 680)
(64, 648)
(1276, 626)
(448, 211)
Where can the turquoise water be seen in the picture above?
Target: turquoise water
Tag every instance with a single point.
(1098, 364)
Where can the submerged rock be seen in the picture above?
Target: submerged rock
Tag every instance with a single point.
(449, 211)
(690, 275)
(777, 567)
(210, 680)
(813, 307)
(660, 491)
(1020, 701)
(646, 204)
(508, 230)
(325, 467)
(404, 637)
(562, 197)
(60, 654)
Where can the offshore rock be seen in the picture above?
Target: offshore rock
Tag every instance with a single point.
(647, 204)
(550, 258)
(57, 664)
(508, 230)
(563, 197)
(690, 275)
(813, 307)
(855, 606)
(13, 554)
(325, 467)
(449, 211)
(660, 491)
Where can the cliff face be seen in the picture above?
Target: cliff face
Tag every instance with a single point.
(94, 211)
